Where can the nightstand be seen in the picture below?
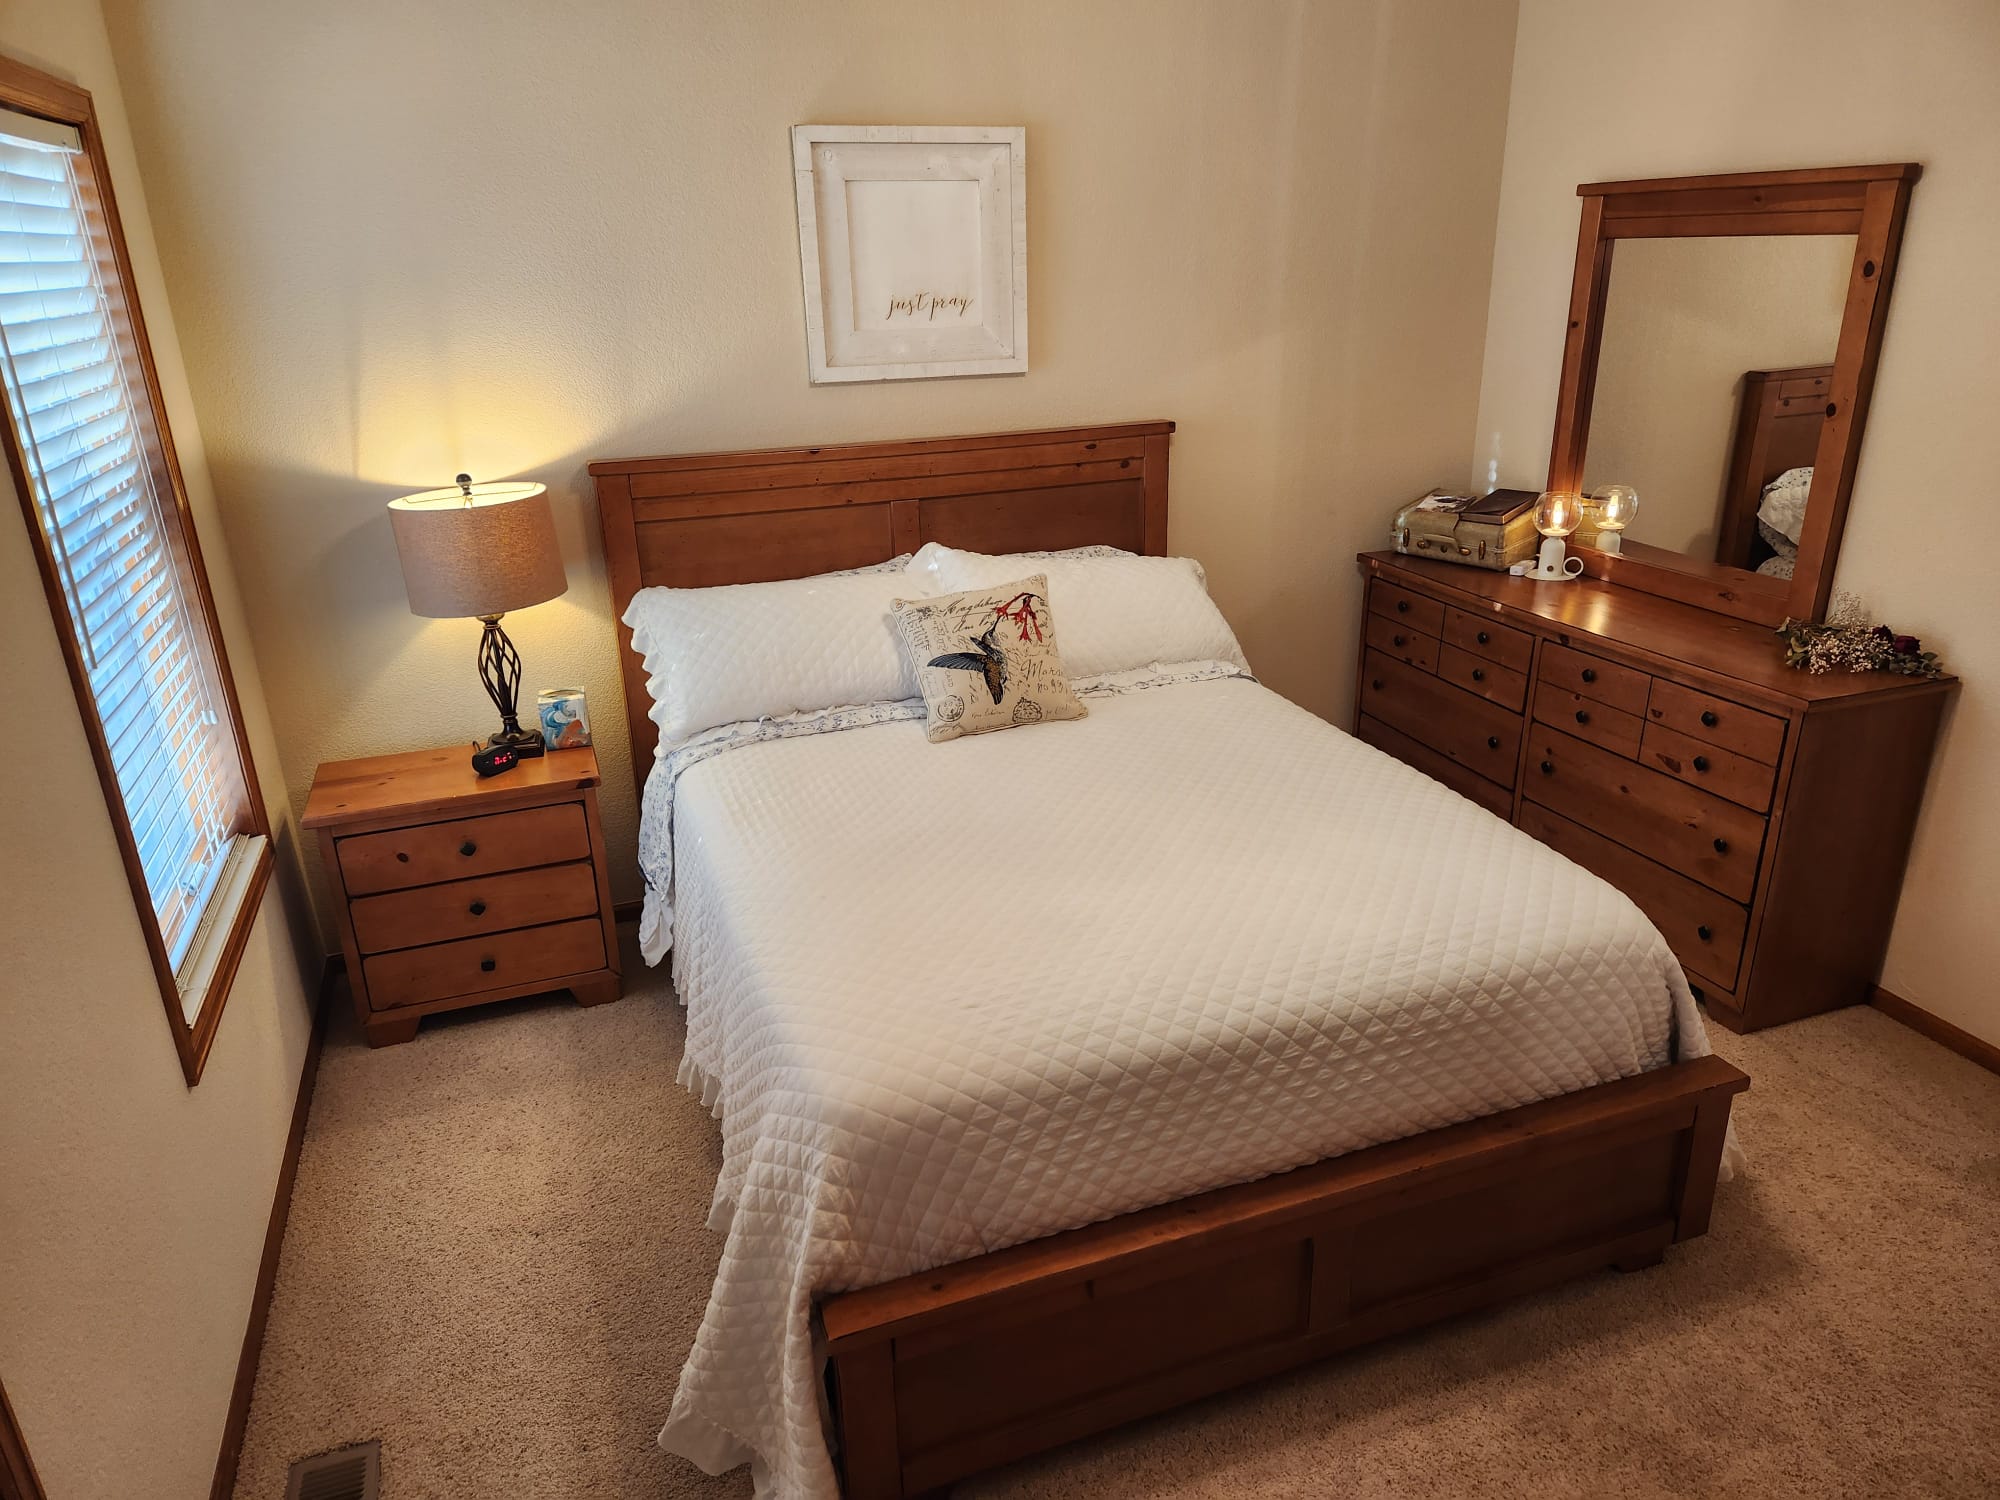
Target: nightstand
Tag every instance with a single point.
(454, 891)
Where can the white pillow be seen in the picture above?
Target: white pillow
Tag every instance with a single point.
(756, 650)
(927, 559)
(1117, 612)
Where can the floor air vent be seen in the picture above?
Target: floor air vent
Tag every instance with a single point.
(353, 1473)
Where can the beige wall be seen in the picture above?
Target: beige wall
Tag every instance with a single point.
(410, 239)
(1714, 86)
(132, 1209)
(1685, 319)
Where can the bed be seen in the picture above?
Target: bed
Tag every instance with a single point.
(1289, 1047)
(1779, 417)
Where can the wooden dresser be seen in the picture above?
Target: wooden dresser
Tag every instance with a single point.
(455, 891)
(1760, 816)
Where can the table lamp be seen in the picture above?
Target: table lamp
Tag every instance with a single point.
(474, 552)
(1556, 515)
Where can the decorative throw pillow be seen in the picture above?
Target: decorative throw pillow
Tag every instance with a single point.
(987, 659)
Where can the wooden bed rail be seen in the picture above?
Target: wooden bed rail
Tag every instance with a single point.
(940, 1375)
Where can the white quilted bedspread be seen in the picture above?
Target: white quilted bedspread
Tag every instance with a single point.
(946, 998)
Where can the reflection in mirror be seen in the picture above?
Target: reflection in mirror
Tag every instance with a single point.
(1711, 388)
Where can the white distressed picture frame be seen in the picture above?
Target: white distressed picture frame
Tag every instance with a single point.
(913, 250)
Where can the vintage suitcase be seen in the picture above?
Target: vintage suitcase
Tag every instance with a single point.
(1482, 531)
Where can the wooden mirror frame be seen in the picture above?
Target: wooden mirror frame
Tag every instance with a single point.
(1867, 202)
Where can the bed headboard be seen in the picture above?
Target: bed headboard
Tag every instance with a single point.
(700, 519)
(1778, 420)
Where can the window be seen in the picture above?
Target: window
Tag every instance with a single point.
(102, 496)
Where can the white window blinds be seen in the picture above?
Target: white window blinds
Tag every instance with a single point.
(95, 489)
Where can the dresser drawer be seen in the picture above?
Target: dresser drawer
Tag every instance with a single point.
(1709, 767)
(466, 908)
(1476, 734)
(1680, 826)
(431, 852)
(1594, 677)
(1588, 719)
(1717, 721)
(1414, 610)
(1483, 678)
(1509, 647)
(1405, 642)
(1705, 929)
(444, 971)
(1494, 798)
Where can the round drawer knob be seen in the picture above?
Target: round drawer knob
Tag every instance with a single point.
(1704, 932)
(1708, 718)
(1722, 846)
(1492, 742)
(1548, 768)
(1583, 716)
(1478, 674)
(1401, 639)
(1376, 684)
(468, 848)
(1590, 674)
(1701, 762)
(1402, 606)
(1482, 637)
(478, 908)
(488, 965)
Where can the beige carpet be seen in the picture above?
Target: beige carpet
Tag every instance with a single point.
(496, 1262)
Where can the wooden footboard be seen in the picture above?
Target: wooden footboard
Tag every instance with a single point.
(937, 1376)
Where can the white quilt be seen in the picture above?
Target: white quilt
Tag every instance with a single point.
(947, 998)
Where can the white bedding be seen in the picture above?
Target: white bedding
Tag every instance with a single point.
(947, 998)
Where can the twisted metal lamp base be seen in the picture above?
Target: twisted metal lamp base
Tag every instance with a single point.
(500, 672)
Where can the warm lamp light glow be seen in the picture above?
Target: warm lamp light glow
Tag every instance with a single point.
(1612, 509)
(1558, 512)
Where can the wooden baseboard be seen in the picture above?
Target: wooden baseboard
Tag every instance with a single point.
(18, 1480)
(1937, 1028)
(274, 1238)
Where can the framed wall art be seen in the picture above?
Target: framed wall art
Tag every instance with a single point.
(913, 247)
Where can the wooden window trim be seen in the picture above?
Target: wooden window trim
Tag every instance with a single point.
(34, 92)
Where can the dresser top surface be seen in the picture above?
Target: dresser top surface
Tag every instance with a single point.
(1663, 628)
(422, 781)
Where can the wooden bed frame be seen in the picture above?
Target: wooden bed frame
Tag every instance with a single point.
(1779, 416)
(937, 1376)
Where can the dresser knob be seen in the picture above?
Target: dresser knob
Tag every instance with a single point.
(1703, 932)
(1708, 718)
(478, 908)
(1478, 674)
(1701, 762)
(1401, 639)
(1548, 768)
(488, 965)
(1492, 742)
(468, 848)
(1583, 716)
(1376, 684)
(1402, 606)
(1483, 637)
(1722, 846)
(1590, 674)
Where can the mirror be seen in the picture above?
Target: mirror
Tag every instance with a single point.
(1720, 351)
(1711, 391)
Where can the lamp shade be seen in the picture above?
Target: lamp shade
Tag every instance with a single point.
(477, 549)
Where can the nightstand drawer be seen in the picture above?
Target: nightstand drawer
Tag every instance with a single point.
(434, 852)
(467, 908)
(444, 971)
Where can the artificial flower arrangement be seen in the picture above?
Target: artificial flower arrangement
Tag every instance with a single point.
(1848, 641)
